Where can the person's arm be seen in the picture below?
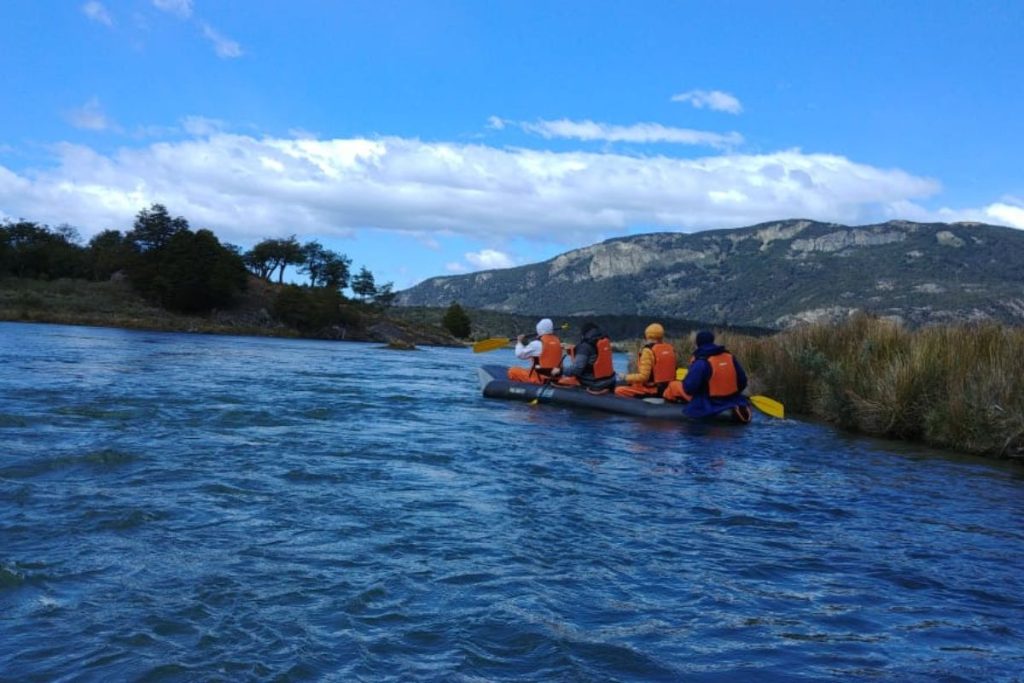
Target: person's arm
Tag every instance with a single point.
(584, 357)
(696, 376)
(528, 351)
(643, 368)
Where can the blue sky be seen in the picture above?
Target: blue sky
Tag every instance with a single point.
(427, 138)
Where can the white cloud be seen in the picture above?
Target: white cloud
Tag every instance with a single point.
(496, 122)
(179, 8)
(638, 132)
(715, 100)
(201, 125)
(1006, 214)
(487, 259)
(223, 46)
(455, 267)
(97, 12)
(90, 116)
(246, 188)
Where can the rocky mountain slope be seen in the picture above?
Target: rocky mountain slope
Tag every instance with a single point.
(773, 275)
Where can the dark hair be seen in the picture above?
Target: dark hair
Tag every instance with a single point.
(588, 326)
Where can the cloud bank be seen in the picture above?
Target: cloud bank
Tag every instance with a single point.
(247, 188)
(1006, 214)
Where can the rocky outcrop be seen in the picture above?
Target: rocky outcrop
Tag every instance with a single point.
(841, 239)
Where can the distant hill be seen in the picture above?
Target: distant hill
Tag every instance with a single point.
(769, 275)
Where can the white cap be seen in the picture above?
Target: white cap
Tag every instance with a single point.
(545, 326)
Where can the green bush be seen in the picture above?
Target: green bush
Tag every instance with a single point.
(190, 272)
(311, 309)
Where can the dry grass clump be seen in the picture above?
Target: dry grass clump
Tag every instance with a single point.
(956, 386)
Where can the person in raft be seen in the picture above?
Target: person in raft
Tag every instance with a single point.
(655, 366)
(714, 382)
(591, 362)
(544, 354)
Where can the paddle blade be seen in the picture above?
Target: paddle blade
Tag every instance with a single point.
(485, 345)
(768, 406)
(681, 373)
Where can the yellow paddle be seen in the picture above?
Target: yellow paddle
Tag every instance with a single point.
(768, 406)
(493, 344)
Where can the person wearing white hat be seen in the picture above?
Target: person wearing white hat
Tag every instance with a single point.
(544, 353)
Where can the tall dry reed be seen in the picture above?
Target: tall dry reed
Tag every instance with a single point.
(956, 386)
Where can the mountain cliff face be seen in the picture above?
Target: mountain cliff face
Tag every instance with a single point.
(772, 275)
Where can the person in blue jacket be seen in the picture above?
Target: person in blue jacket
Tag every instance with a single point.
(715, 381)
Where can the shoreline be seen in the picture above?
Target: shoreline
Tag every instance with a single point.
(115, 304)
(217, 330)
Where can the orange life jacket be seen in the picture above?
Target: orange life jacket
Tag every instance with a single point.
(603, 367)
(723, 380)
(550, 355)
(664, 370)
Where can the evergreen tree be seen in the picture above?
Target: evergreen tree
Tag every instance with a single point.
(384, 296)
(37, 251)
(325, 267)
(108, 252)
(363, 284)
(154, 228)
(260, 260)
(456, 321)
(176, 267)
(274, 254)
(290, 253)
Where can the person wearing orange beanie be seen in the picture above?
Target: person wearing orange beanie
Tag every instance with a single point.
(655, 366)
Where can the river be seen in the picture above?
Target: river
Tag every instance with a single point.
(188, 507)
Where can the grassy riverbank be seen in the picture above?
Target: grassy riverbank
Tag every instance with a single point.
(116, 304)
(959, 387)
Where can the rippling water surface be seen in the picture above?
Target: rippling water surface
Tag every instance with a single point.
(182, 507)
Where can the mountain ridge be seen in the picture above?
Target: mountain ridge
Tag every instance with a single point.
(772, 274)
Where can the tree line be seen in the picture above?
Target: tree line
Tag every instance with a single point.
(188, 270)
(325, 268)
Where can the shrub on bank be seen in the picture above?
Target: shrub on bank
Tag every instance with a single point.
(955, 386)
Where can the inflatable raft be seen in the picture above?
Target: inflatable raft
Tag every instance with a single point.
(495, 384)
